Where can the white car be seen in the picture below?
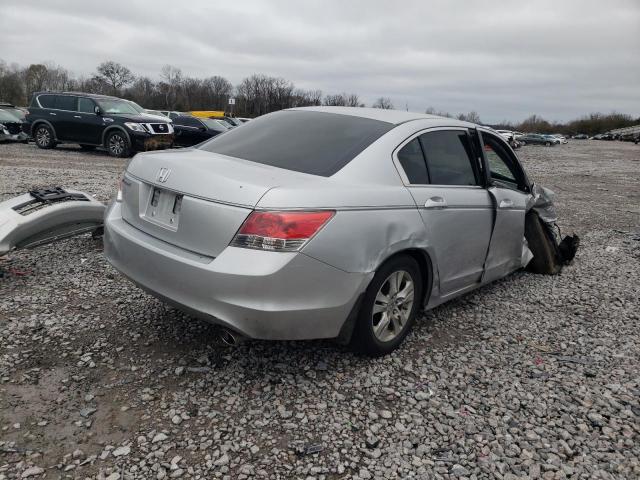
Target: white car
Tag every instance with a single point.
(560, 137)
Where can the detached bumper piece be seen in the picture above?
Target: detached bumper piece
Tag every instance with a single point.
(45, 216)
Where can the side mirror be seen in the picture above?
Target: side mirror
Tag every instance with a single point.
(97, 110)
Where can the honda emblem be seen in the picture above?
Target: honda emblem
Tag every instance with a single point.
(163, 174)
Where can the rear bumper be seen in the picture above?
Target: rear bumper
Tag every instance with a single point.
(265, 295)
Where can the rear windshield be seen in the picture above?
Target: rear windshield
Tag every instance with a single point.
(317, 143)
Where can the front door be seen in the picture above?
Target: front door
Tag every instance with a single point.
(457, 211)
(509, 189)
(88, 125)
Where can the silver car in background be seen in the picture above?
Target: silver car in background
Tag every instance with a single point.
(323, 222)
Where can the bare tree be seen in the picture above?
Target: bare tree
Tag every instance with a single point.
(352, 100)
(383, 103)
(433, 111)
(114, 75)
(170, 86)
(471, 117)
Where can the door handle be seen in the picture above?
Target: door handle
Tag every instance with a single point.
(435, 202)
(506, 203)
(51, 113)
(77, 116)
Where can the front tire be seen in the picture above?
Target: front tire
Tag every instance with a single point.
(389, 307)
(117, 144)
(43, 137)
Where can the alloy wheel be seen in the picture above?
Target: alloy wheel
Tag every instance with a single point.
(43, 137)
(392, 306)
(117, 145)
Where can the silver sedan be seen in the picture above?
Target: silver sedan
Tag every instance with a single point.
(323, 222)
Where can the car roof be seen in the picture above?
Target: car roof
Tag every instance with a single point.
(395, 117)
(90, 95)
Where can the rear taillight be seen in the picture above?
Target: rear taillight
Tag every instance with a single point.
(280, 231)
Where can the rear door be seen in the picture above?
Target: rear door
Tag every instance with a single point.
(442, 173)
(510, 189)
(64, 109)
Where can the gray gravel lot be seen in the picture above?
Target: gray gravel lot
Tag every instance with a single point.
(530, 377)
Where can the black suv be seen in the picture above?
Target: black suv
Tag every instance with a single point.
(92, 121)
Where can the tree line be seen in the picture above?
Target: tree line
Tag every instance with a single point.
(255, 95)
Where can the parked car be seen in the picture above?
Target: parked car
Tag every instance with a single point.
(580, 136)
(553, 139)
(11, 127)
(172, 113)
(310, 222)
(236, 122)
(510, 137)
(94, 120)
(560, 137)
(15, 111)
(536, 139)
(190, 130)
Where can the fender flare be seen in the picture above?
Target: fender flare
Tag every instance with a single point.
(47, 123)
(109, 129)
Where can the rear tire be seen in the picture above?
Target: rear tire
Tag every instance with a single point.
(43, 136)
(389, 307)
(117, 144)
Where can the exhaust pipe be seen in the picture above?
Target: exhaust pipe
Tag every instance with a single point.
(230, 338)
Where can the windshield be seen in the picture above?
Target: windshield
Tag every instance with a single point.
(213, 125)
(137, 107)
(6, 116)
(317, 143)
(117, 106)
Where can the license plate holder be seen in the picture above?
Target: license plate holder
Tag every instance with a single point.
(164, 208)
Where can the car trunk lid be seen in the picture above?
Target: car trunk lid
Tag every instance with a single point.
(193, 199)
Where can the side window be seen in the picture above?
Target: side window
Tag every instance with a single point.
(413, 164)
(449, 157)
(64, 102)
(86, 105)
(502, 167)
(187, 122)
(47, 101)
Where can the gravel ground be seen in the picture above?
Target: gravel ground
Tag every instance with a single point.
(530, 377)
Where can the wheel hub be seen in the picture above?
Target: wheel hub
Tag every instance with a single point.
(392, 306)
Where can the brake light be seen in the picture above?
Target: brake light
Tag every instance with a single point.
(280, 231)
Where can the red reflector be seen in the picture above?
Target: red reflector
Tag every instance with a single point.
(286, 225)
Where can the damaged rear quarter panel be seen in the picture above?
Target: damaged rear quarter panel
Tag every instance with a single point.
(368, 238)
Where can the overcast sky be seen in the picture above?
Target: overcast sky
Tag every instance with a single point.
(503, 59)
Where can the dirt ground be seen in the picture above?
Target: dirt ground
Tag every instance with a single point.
(90, 366)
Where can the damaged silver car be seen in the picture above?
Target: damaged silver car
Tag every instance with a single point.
(325, 222)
